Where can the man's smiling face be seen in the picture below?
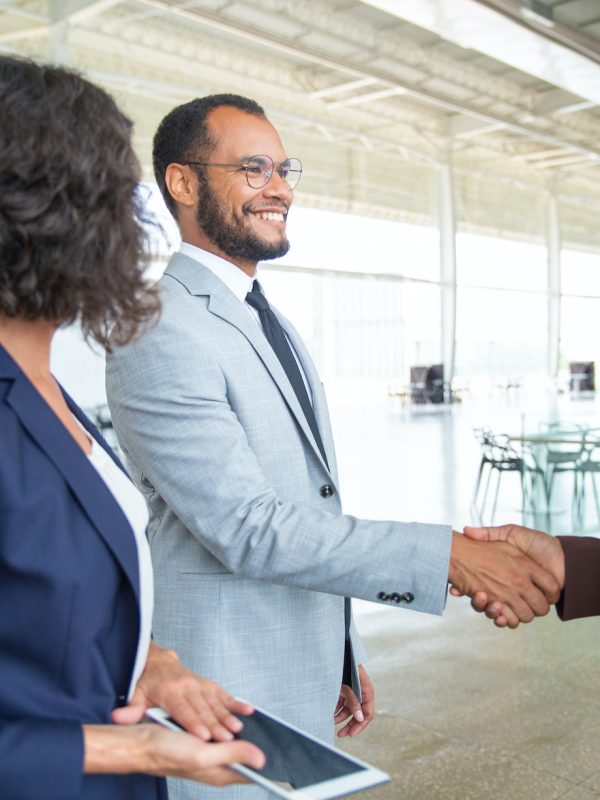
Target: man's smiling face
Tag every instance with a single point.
(242, 224)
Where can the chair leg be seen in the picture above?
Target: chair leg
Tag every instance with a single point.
(578, 479)
(581, 499)
(580, 495)
(496, 495)
(477, 485)
(523, 490)
(595, 488)
(548, 485)
(487, 488)
(537, 478)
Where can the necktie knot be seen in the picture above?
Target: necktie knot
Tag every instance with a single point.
(256, 298)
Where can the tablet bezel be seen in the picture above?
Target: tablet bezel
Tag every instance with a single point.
(365, 777)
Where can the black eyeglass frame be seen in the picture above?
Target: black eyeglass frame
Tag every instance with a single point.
(266, 174)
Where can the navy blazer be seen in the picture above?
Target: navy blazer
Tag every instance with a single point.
(69, 604)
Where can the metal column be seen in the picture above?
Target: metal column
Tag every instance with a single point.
(553, 246)
(447, 229)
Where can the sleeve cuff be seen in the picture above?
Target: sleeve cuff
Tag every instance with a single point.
(39, 754)
(581, 593)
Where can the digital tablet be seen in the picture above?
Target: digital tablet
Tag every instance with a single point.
(314, 769)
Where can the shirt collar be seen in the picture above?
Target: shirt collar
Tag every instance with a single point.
(233, 277)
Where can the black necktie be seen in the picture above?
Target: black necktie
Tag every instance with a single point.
(278, 341)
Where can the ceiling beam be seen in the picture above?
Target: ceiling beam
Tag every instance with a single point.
(357, 71)
(78, 11)
(39, 23)
(176, 93)
(71, 12)
(23, 13)
(542, 21)
(540, 155)
(340, 88)
(567, 159)
(559, 101)
(367, 97)
(25, 33)
(463, 127)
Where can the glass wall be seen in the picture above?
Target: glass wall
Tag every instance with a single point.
(371, 328)
(580, 308)
(502, 309)
(365, 294)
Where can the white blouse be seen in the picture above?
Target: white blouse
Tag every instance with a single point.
(133, 505)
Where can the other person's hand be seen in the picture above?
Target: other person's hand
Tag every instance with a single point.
(497, 568)
(349, 707)
(198, 705)
(545, 550)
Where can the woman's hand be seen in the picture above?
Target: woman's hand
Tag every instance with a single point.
(154, 750)
(200, 706)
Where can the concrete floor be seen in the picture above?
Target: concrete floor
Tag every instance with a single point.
(466, 711)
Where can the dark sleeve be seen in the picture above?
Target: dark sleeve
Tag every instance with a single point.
(581, 595)
(38, 754)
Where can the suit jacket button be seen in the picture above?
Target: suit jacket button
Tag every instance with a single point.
(396, 597)
(327, 490)
(408, 597)
(383, 596)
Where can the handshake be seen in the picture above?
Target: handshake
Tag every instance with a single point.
(511, 573)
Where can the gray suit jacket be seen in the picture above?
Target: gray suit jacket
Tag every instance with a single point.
(251, 562)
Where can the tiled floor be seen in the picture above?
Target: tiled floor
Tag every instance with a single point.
(466, 711)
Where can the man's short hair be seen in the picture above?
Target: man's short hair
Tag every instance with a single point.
(183, 135)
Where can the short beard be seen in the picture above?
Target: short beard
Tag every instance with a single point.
(232, 235)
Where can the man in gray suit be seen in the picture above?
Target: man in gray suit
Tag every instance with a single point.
(223, 420)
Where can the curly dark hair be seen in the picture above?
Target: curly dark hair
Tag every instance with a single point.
(72, 235)
(184, 135)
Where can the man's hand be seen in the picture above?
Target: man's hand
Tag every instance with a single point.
(200, 706)
(349, 705)
(545, 550)
(504, 574)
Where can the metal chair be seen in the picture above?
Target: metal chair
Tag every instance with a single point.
(498, 454)
(561, 458)
(589, 465)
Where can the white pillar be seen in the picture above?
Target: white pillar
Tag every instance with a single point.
(328, 328)
(553, 246)
(58, 33)
(447, 230)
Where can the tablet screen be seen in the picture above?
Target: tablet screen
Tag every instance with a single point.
(292, 757)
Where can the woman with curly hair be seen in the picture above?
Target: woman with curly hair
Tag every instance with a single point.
(77, 665)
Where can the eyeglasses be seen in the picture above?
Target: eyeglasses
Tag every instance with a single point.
(259, 169)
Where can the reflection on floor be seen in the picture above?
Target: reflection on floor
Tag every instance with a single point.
(466, 711)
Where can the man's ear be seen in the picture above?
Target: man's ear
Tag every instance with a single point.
(182, 184)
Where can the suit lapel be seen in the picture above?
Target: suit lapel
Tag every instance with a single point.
(91, 429)
(93, 495)
(199, 280)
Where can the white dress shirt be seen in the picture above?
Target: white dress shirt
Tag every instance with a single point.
(133, 505)
(238, 282)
